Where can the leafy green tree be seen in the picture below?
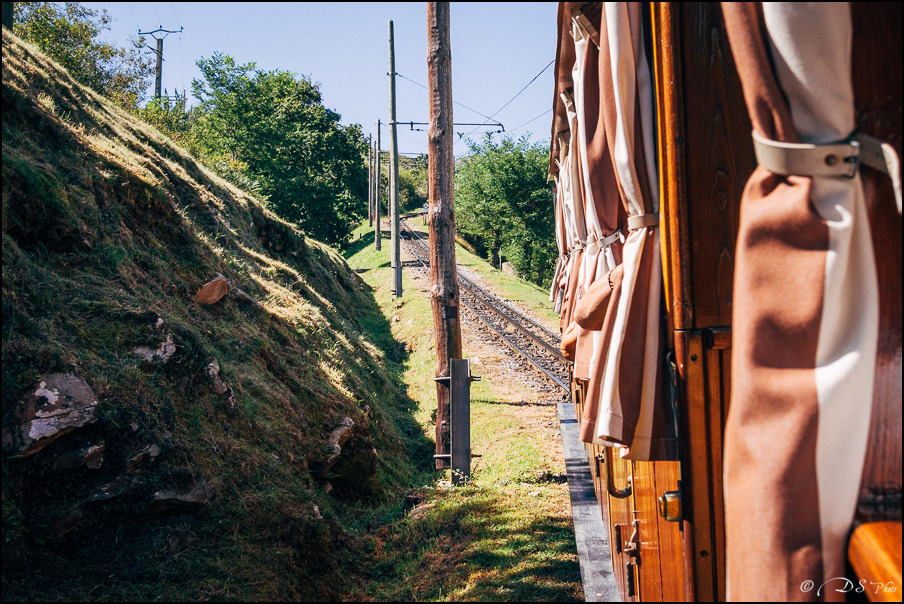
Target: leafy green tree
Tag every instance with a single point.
(412, 183)
(413, 175)
(68, 32)
(271, 129)
(504, 204)
(411, 195)
(171, 116)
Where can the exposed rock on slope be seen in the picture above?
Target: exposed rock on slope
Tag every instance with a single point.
(183, 469)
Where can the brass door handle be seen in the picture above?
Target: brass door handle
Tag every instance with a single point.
(610, 481)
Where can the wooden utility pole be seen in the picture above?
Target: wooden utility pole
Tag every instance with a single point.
(158, 80)
(375, 182)
(378, 233)
(395, 261)
(443, 277)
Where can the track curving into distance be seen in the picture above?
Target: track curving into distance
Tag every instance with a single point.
(532, 341)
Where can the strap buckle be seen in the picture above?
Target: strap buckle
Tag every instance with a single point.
(804, 159)
(832, 159)
(611, 238)
(852, 161)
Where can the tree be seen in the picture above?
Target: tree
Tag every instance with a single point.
(412, 183)
(503, 202)
(68, 32)
(271, 129)
(171, 116)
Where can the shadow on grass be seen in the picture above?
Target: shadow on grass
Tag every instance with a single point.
(358, 245)
(479, 546)
(275, 373)
(269, 530)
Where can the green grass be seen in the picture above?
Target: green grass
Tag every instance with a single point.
(109, 226)
(512, 288)
(507, 536)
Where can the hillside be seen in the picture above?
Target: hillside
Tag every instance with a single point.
(191, 407)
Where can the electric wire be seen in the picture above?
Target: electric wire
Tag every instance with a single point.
(421, 143)
(137, 26)
(181, 55)
(454, 101)
(514, 97)
(182, 65)
(172, 6)
(530, 121)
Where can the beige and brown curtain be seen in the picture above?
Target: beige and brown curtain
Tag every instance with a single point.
(805, 316)
(614, 326)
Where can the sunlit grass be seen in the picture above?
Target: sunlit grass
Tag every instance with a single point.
(507, 536)
(108, 228)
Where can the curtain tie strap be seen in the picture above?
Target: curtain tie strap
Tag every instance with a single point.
(832, 159)
(644, 220)
(595, 245)
(610, 239)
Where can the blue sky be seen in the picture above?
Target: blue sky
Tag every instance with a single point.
(497, 49)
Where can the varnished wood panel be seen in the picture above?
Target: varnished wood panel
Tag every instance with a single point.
(671, 556)
(706, 156)
(877, 90)
(615, 514)
(875, 554)
(715, 408)
(646, 515)
(696, 476)
(671, 151)
(621, 514)
(718, 158)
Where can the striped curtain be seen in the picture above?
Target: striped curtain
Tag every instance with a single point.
(805, 316)
(631, 411)
(610, 165)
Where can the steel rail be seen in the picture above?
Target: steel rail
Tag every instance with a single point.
(554, 337)
(557, 356)
(487, 298)
(499, 307)
(552, 350)
(524, 354)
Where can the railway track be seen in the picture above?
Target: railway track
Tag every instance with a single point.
(530, 340)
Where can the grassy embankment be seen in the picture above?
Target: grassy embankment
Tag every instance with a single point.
(109, 230)
(506, 537)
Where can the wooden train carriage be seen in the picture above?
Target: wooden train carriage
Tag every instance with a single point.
(667, 508)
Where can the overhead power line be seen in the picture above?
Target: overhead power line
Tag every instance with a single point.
(133, 16)
(531, 120)
(412, 139)
(172, 6)
(516, 95)
(456, 102)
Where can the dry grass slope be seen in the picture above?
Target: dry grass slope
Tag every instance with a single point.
(109, 230)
